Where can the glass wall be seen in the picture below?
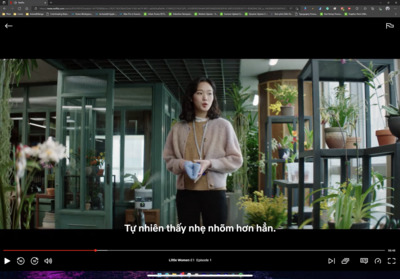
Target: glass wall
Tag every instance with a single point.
(131, 139)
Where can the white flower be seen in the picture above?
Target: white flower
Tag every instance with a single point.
(21, 161)
(285, 156)
(32, 151)
(51, 151)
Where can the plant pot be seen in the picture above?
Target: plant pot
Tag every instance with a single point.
(335, 137)
(50, 191)
(282, 151)
(351, 141)
(87, 206)
(143, 198)
(394, 126)
(355, 226)
(287, 110)
(100, 172)
(385, 137)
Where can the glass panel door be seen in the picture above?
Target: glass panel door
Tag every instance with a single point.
(84, 195)
(95, 154)
(72, 133)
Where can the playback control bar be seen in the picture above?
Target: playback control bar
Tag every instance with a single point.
(200, 259)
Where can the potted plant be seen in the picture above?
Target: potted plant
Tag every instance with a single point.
(261, 209)
(393, 115)
(143, 191)
(94, 163)
(283, 146)
(308, 143)
(340, 114)
(240, 122)
(347, 205)
(384, 135)
(285, 96)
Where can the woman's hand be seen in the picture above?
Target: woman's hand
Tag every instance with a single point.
(182, 165)
(205, 164)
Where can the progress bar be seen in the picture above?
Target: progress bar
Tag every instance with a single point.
(201, 275)
(194, 250)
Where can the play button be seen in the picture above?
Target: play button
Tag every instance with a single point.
(6, 261)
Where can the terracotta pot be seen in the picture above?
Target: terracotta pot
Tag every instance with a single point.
(394, 126)
(50, 191)
(334, 137)
(287, 110)
(385, 137)
(350, 142)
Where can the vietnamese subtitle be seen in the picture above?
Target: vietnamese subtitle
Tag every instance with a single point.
(197, 229)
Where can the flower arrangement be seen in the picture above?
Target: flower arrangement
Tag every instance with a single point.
(28, 160)
(287, 144)
(262, 209)
(284, 94)
(95, 160)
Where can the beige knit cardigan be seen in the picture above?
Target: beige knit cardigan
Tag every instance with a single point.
(221, 148)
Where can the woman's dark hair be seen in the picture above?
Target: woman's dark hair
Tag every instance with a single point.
(188, 112)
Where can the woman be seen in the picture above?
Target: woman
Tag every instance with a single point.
(205, 139)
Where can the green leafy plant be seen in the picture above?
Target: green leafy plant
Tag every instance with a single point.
(11, 72)
(285, 94)
(285, 142)
(348, 204)
(261, 209)
(145, 183)
(308, 143)
(392, 110)
(240, 123)
(387, 223)
(256, 159)
(374, 83)
(341, 112)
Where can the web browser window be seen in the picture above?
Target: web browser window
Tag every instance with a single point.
(107, 84)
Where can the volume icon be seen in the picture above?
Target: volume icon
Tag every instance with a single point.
(48, 261)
